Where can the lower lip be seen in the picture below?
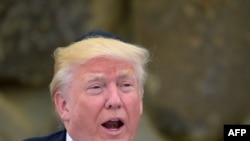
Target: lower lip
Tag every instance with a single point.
(113, 132)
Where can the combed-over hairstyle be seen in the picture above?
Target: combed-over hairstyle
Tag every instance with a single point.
(79, 52)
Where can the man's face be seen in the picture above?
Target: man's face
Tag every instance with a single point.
(104, 101)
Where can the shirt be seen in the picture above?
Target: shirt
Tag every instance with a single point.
(68, 137)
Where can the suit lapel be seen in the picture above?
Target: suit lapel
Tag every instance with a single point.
(61, 136)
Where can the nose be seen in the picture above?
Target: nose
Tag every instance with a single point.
(113, 100)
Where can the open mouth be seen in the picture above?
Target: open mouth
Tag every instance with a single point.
(113, 124)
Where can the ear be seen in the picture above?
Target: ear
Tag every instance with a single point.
(141, 106)
(61, 105)
(141, 101)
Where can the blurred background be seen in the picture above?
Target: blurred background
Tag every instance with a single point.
(199, 72)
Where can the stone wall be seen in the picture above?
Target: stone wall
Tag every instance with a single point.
(199, 73)
(199, 65)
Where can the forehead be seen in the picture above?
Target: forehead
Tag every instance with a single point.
(108, 65)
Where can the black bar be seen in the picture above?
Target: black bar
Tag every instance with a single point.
(236, 132)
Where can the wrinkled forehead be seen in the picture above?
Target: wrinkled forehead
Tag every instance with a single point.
(101, 67)
(107, 64)
(121, 75)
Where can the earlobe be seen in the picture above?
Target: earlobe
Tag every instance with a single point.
(61, 106)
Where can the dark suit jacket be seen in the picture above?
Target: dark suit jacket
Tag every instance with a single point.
(58, 136)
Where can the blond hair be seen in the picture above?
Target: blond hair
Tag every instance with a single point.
(79, 52)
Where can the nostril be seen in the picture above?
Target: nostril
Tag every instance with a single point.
(112, 105)
(109, 106)
(119, 106)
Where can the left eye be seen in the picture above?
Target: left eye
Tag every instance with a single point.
(126, 87)
(95, 87)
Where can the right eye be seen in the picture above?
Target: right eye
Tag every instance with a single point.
(95, 89)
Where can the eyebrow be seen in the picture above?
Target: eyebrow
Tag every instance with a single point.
(94, 77)
(125, 74)
(100, 76)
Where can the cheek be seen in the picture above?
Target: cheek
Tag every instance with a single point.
(134, 104)
(87, 108)
(134, 111)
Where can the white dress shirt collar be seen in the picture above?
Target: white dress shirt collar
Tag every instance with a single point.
(68, 137)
